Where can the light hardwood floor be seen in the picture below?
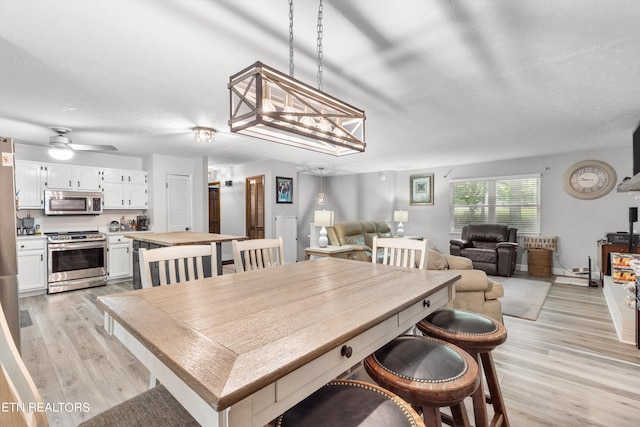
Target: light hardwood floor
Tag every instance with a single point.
(565, 369)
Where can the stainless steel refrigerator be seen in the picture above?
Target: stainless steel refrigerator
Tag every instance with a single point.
(8, 252)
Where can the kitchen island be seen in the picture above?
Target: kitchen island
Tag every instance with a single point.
(178, 238)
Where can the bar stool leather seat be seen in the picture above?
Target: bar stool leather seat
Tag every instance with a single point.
(478, 335)
(345, 403)
(428, 373)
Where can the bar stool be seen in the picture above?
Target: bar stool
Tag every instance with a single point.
(345, 403)
(478, 335)
(428, 373)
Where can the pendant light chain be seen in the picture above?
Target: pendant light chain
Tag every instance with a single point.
(320, 68)
(291, 38)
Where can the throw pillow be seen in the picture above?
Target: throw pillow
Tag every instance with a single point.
(436, 261)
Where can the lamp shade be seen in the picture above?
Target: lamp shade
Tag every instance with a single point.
(400, 216)
(323, 218)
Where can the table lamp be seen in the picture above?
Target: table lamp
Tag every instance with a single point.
(399, 217)
(323, 219)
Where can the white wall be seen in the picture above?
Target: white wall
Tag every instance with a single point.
(579, 224)
(159, 167)
(232, 198)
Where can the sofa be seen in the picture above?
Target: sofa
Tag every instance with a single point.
(359, 235)
(474, 291)
(491, 247)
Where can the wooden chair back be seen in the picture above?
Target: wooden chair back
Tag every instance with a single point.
(176, 264)
(400, 252)
(256, 254)
(18, 392)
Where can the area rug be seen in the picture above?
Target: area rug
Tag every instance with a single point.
(523, 297)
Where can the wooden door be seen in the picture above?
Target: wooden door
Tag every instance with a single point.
(214, 207)
(254, 190)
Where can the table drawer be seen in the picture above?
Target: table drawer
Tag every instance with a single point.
(330, 365)
(411, 315)
(28, 245)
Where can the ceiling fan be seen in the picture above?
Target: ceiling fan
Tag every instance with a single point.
(61, 144)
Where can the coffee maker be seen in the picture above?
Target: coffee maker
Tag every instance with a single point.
(142, 223)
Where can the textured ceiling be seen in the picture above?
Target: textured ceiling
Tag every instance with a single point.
(442, 82)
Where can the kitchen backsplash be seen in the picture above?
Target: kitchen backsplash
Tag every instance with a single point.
(79, 222)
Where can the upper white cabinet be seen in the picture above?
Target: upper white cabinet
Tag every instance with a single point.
(30, 184)
(71, 177)
(87, 178)
(122, 189)
(58, 177)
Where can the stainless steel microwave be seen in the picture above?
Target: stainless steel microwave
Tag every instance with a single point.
(57, 202)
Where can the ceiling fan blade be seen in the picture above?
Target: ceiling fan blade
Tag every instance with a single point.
(84, 147)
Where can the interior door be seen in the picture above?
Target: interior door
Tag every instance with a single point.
(214, 207)
(254, 190)
(178, 203)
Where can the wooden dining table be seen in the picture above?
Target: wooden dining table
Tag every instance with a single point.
(240, 349)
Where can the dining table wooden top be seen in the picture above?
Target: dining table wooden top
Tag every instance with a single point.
(229, 336)
(183, 238)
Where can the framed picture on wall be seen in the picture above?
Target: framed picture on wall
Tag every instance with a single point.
(284, 190)
(421, 192)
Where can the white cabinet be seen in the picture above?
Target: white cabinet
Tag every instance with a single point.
(113, 175)
(87, 178)
(30, 184)
(58, 177)
(119, 257)
(32, 265)
(124, 189)
(32, 178)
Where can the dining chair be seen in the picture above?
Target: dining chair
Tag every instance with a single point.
(176, 264)
(256, 254)
(400, 252)
(152, 408)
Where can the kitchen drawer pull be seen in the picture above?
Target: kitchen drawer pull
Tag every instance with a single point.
(426, 303)
(346, 351)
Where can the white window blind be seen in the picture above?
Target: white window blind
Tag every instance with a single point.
(514, 201)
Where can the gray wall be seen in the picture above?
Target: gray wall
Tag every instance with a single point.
(578, 224)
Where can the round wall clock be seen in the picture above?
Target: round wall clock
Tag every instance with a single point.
(589, 179)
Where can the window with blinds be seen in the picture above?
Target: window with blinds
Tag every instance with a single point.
(514, 201)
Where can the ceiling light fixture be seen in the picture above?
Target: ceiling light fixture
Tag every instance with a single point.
(201, 133)
(270, 105)
(61, 153)
(321, 197)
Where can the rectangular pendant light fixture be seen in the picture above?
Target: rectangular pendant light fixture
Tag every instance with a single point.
(267, 104)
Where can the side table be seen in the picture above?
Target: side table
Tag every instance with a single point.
(345, 251)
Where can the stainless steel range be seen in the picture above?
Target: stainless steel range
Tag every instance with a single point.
(77, 260)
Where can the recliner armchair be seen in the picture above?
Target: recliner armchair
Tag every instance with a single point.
(491, 247)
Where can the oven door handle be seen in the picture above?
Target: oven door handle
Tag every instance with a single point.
(76, 245)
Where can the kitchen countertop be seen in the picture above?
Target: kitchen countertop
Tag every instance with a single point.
(31, 236)
(182, 238)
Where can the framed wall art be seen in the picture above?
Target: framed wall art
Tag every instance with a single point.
(421, 192)
(284, 190)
